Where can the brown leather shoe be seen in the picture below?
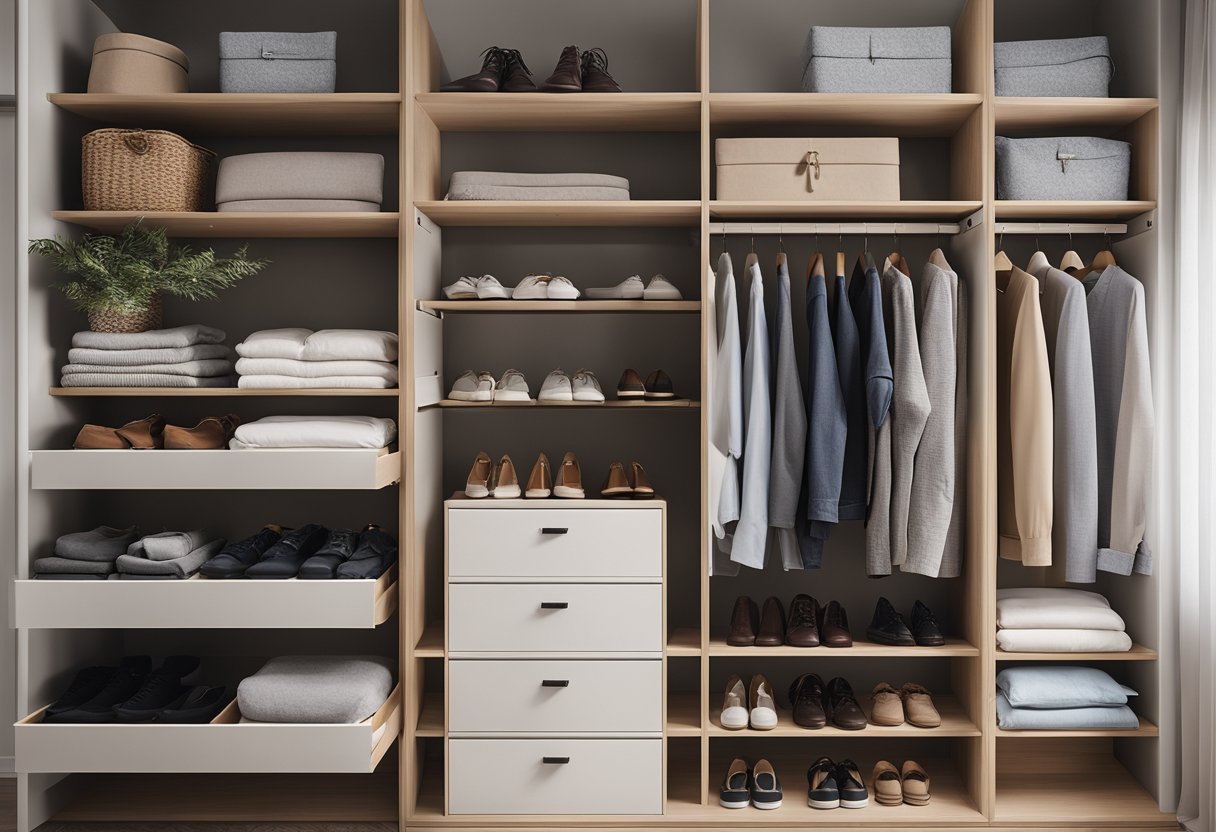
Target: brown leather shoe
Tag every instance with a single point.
(617, 484)
(210, 434)
(595, 72)
(99, 438)
(918, 706)
(642, 489)
(834, 626)
(630, 386)
(802, 628)
(506, 481)
(887, 707)
(516, 77)
(141, 434)
(478, 483)
(540, 481)
(659, 387)
(806, 699)
(843, 709)
(501, 69)
(772, 624)
(744, 623)
(567, 75)
(569, 483)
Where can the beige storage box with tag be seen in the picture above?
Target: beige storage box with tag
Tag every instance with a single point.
(126, 63)
(779, 170)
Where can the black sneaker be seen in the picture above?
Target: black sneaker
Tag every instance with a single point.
(161, 688)
(924, 627)
(338, 548)
(196, 706)
(235, 558)
(736, 791)
(123, 683)
(87, 684)
(376, 552)
(821, 789)
(284, 558)
(853, 793)
(766, 787)
(888, 626)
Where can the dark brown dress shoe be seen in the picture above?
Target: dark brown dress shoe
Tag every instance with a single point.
(802, 630)
(210, 434)
(744, 623)
(806, 700)
(843, 709)
(501, 69)
(630, 386)
(834, 626)
(772, 624)
(888, 626)
(659, 386)
(142, 434)
(924, 627)
(567, 75)
(516, 77)
(595, 72)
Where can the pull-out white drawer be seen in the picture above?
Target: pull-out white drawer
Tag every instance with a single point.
(555, 618)
(571, 697)
(555, 777)
(555, 543)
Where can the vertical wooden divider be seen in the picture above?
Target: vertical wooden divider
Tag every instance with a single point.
(703, 86)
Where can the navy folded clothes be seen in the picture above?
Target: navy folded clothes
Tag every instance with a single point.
(102, 544)
(136, 562)
(67, 566)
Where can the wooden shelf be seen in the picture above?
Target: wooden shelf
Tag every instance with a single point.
(611, 404)
(955, 723)
(683, 715)
(895, 115)
(1105, 795)
(430, 646)
(879, 211)
(430, 720)
(288, 224)
(577, 112)
(639, 213)
(1138, 653)
(243, 114)
(684, 642)
(1081, 211)
(1146, 729)
(1043, 113)
(220, 392)
(953, 648)
(683, 306)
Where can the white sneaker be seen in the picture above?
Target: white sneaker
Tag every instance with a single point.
(532, 287)
(488, 288)
(463, 289)
(473, 387)
(560, 288)
(512, 387)
(585, 387)
(556, 388)
(660, 288)
(631, 288)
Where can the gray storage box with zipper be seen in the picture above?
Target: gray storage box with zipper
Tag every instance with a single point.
(278, 61)
(1066, 168)
(1065, 67)
(853, 59)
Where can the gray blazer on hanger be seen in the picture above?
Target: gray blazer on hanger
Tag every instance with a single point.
(789, 430)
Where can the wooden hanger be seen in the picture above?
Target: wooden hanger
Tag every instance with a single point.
(1004, 270)
(782, 260)
(897, 260)
(1071, 262)
(815, 269)
(840, 262)
(1101, 260)
(938, 258)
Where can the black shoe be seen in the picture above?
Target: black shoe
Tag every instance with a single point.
(376, 552)
(338, 548)
(283, 559)
(87, 684)
(806, 700)
(595, 72)
(123, 683)
(924, 627)
(736, 790)
(821, 789)
(161, 688)
(888, 626)
(766, 786)
(843, 709)
(196, 706)
(501, 69)
(853, 792)
(235, 558)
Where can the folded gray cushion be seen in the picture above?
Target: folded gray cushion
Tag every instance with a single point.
(208, 368)
(136, 562)
(1119, 717)
(307, 175)
(153, 339)
(316, 689)
(478, 184)
(1061, 686)
(64, 566)
(302, 205)
(143, 358)
(142, 380)
(174, 545)
(104, 543)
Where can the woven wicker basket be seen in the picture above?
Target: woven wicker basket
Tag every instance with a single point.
(141, 321)
(145, 170)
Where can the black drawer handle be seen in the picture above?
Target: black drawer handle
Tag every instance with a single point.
(555, 683)
(554, 605)
(555, 761)
(554, 530)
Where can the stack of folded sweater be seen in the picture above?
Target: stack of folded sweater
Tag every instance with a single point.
(327, 358)
(482, 184)
(185, 356)
(1050, 620)
(316, 689)
(1062, 698)
(168, 555)
(315, 432)
(86, 556)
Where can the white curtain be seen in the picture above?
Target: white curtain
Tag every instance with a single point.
(1197, 418)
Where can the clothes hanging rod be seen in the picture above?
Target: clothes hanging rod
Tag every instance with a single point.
(878, 229)
(1059, 228)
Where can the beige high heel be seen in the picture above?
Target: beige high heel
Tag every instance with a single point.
(506, 482)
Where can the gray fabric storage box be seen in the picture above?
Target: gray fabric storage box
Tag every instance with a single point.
(1063, 67)
(308, 181)
(854, 59)
(1065, 168)
(316, 689)
(480, 184)
(278, 61)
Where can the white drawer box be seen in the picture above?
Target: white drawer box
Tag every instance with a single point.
(571, 697)
(555, 777)
(555, 618)
(555, 543)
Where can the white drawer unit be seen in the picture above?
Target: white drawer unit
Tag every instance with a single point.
(555, 777)
(490, 697)
(555, 618)
(555, 543)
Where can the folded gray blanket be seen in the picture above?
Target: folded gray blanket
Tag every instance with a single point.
(174, 545)
(136, 561)
(207, 368)
(102, 544)
(66, 566)
(480, 184)
(142, 358)
(153, 339)
(142, 380)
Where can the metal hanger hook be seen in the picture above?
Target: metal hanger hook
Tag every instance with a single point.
(780, 241)
(1037, 228)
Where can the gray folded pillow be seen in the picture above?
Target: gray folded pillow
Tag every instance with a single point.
(316, 689)
(1061, 686)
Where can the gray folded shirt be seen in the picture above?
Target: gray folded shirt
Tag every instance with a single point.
(153, 339)
(104, 543)
(66, 566)
(136, 562)
(174, 545)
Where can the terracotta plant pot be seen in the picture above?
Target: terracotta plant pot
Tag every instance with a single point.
(141, 321)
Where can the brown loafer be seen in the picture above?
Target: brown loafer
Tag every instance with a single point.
(616, 484)
(915, 784)
(744, 623)
(918, 706)
(540, 481)
(888, 785)
(630, 386)
(887, 707)
(210, 434)
(772, 624)
(141, 434)
(642, 489)
(659, 387)
(569, 483)
(99, 438)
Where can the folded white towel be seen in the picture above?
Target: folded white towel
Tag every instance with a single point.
(207, 368)
(1049, 608)
(315, 369)
(153, 339)
(1063, 641)
(323, 345)
(137, 358)
(315, 432)
(294, 382)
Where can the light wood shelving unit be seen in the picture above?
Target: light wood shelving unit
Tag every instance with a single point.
(241, 223)
(219, 392)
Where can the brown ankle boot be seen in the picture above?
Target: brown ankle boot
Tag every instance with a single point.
(567, 75)
(210, 434)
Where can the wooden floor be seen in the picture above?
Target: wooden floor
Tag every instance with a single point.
(8, 804)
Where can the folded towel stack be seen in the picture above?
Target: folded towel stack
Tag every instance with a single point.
(1050, 620)
(296, 357)
(315, 432)
(168, 555)
(185, 356)
(1062, 698)
(86, 556)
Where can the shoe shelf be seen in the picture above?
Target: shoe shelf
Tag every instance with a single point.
(220, 392)
(884, 210)
(1098, 792)
(447, 306)
(243, 114)
(897, 115)
(683, 714)
(569, 112)
(430, 718)
(1145, 729)
(1069, 113)
(225, 745)
(637, 213)
(204, 603)
(955, 723)
(283, 224)
(431, 643)
(953, 648)
(1080, 210)
(1138, 653)
(283, 469)
(684, 642)
(611, 404)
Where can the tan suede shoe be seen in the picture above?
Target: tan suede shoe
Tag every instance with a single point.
(99, 438)
(478, 484)
(617, 484)
(888, 706)
(540, 481)
(918, 706)
(642, 489)
(506, 481)
(569, 483)
(141, 434)
(211, 433)
(888, 785)
(916, 784)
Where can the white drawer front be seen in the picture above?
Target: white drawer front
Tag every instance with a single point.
(581, 777)
(557, 543)
(551, 618)
(555, 696)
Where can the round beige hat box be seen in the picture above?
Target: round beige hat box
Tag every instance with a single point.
(126, 63)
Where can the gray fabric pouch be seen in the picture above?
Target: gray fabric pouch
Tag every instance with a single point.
(278, 61)
(1063, 67)
(316, 689)
(860, 60)
(1065, 168)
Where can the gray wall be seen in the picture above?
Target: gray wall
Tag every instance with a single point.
(8, 345)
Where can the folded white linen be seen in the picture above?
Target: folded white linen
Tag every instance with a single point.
(315, 369)
(153, 339)
(137, 358)
(142, 380)
(323, 345)
(347, 382)
(1050, 608)
(208, 368)
(315, 432)
(1063, 641)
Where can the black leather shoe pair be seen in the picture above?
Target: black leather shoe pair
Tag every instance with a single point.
(888, 627)
(311, 551)
(134, 693)
(505, 70)
(501, 69)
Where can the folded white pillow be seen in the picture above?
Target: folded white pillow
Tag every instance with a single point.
(323, 345)
(1049, 608)
(1063, 641)
(315, 432)
(315, 369)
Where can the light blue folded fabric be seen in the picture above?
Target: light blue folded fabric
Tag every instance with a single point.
(1118, 717)
(1061, 686)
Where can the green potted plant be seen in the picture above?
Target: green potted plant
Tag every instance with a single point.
(119, 280)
